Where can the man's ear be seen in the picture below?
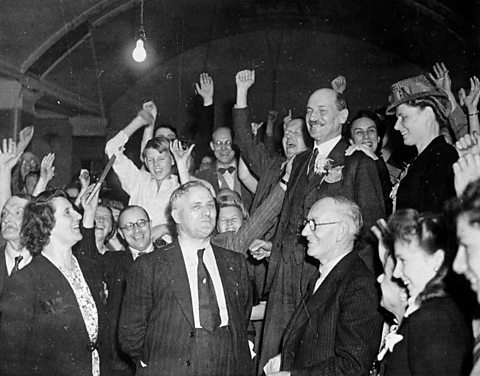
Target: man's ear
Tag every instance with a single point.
(175, 215)
(343, 115)
(343, 231)
(211, 146)
(121, 234)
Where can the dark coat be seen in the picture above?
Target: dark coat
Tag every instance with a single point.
(289, 270)
(156, 323)
(428, 183)
(436, 341)
(41, 327)
(337, 331)
(3, 268)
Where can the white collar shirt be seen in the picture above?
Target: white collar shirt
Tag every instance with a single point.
(189, 252)
(10, 259)
(326, 269)
(135, 253)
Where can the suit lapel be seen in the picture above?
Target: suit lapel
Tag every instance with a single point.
(3, 268)
(319, 299)
(176, 276)
(338, 156)
(299, 171)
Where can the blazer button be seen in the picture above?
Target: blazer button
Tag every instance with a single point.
(188, 363)
(192, 334)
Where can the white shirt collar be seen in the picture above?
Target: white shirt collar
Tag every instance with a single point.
(326, 147)
(326, 268)
(135, 252)
(10, 258)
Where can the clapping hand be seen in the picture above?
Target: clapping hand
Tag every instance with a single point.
(470, 100)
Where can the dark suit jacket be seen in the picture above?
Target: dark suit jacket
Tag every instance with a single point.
(41, 327)
(3, 268)
(337, 331)
(360, 183)
(211, 176)
(156, 323)
(436, 341)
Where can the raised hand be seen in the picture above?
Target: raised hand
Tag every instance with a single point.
(441, 78)
(205, 88)
(47, 169)
(256, 127)
(9, 155)
(84, 178)
(272, 116)
(151, 108)
(466, 170)
(260, 249)
(468, 144)
(24, 138)
(287, 119)
(180, 154)
(471, 100)
(339, 84)
(245, 79)
(380, 230)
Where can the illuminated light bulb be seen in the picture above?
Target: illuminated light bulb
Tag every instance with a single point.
(139, 54)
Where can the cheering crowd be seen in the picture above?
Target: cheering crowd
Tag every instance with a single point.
(353, 249)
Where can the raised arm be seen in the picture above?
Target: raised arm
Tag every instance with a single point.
(471, 102)
(149, 128)
(47, 172)
(9, 157)
(181, 157)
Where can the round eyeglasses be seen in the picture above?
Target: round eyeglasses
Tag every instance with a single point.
(313, 225)
(131, 225)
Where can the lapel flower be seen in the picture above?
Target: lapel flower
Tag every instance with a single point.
(325, 167)
(322, 165)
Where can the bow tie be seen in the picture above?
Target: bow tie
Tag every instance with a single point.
(222, 170)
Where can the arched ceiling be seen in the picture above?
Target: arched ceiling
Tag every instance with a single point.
(76, 54)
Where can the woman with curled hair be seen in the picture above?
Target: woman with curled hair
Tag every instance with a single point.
(50, 310)
(436, 339)
(422, 113)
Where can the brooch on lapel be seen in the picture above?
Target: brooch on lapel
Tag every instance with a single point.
(331, 174)
(54, 305)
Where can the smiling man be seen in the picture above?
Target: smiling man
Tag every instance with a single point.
(337, 329)
(323, 171)
(187, 305)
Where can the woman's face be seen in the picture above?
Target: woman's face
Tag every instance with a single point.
(412, 123)
(467, 261)
(67, 223)
(229, 219)
(103, 223)
(394, 295)
(414, 266)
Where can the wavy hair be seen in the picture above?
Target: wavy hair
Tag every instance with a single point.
(39, 221)
(431, 234)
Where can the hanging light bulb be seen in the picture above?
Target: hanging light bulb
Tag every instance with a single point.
(139, 53)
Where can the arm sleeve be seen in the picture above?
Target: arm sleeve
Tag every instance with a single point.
(458, 122)
(254, 152)
(128, 174)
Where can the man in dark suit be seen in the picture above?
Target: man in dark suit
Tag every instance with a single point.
(187, 305)
(337, 328)
(325, 171)
(224, 173)
(13, 256)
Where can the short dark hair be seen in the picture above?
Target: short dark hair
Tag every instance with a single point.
(431, 232)
(39, 221)
(160, 144)
(131, 207)
(231, 199)
(166, 126)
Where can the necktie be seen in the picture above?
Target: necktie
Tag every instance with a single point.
(312, 283)
(311, 164)
(207, 301)
(222, 170)
(15, 269)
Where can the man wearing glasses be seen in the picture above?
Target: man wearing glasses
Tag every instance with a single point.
(337, 328)
(135, 229)
(224, 172)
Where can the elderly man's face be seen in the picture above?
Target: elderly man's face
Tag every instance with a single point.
(135, 228)
(195, 213)
(221, 146)
(324, 120)
(323, 237)
(12, 216)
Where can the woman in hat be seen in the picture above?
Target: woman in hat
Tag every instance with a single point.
(422, 112)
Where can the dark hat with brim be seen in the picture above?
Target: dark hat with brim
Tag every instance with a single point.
(410, 89)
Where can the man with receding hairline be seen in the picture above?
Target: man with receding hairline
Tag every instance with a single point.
(323, 171)
(187, 305)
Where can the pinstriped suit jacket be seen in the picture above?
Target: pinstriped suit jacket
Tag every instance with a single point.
(337, 331)
(156, 323)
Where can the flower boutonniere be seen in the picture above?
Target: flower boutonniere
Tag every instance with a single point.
(54, 305)
(331, 174)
